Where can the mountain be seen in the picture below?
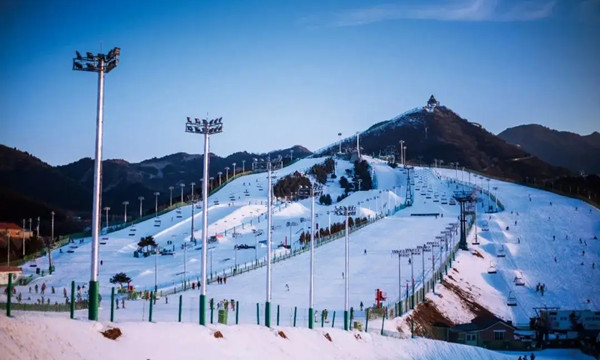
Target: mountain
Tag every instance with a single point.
(32, 186)
(560, 148)
(439, 134)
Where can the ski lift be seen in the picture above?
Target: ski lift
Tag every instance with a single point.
(512, 299)
(492, 269)
(519, 280)
(501, 253)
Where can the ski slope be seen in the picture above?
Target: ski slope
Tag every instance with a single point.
(239, 208)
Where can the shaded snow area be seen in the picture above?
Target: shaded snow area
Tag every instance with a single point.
(546, 239)
(29, 336)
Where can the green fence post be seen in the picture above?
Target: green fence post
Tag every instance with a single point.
(112, 304)
(8, 300)
(333, 320)
(295, 312)
(151, 302)
(237, 312)
(257, 314)
(180, 300)
(367, 321)
(277, 315)
(212, 309)
(383, 318)
(72, 299)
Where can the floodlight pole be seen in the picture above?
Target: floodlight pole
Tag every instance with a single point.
(346, 211)
(99, 63)
(314, 190)
(402, 152)
(50, 266)
(156, 193)
(205, 128)
(106, 209)
(243, 170)
(141, 199)
(171, 196)
(269, 249)
(192, 230)
(182, 186)
(23, 236)
(340, 135)
(358, 144)
(125, 203)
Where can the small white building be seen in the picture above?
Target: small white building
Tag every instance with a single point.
(5, 270)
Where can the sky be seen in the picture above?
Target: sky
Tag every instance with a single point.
(282, 73)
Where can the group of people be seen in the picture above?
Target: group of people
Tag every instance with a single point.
(226, 304)
(524, 357)
(540, 288)
(222, 279)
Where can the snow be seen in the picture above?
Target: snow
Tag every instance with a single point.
(528, 243)
(32, 336)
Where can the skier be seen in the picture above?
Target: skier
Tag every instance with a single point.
(225, 279)
(342, 275)
(287, 287)
(365, 252)
(361, 306)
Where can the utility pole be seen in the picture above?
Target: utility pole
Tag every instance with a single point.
(23, 233)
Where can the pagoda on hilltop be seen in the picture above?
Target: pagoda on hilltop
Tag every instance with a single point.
(431, 104)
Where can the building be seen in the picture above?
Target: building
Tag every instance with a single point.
(432, 103)
(15, 230)
(484, 331)
(5, 270)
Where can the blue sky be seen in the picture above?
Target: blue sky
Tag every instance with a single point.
(282, 73)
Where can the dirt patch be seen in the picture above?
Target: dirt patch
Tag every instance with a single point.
(477, 254)
(425, 316)
(328, 337)
(112, 334)
(467, 299)
(282, 334)
(218, 334)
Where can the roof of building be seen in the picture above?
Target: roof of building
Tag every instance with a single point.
(7, 226)
(480, 323)
(4, 269)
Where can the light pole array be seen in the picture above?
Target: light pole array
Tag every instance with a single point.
(312, 191)
(141, 199)
(206, 128)
(125, 203)
(346, 211)
(101, 64)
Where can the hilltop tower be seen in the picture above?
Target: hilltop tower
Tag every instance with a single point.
(431, 104)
